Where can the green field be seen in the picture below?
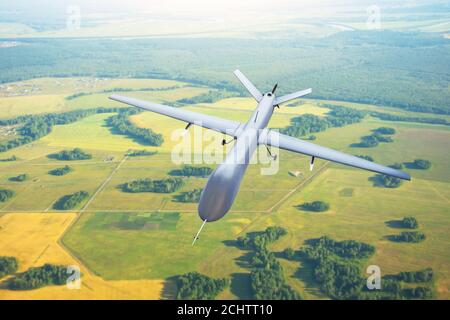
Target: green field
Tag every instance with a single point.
(148, 235)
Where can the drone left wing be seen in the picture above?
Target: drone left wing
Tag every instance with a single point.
(209, 122)
(275, 139)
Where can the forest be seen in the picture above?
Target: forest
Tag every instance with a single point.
(360, 66)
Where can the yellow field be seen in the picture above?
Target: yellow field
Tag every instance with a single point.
(33, 239)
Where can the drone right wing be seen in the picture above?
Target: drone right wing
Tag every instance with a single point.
(275, 139)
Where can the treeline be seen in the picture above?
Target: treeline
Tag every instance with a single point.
(8, 265)
(209, 97)
(366, 52)
(408, 236)
(339, 116)
(82, 94)
(424, 275)
(60, 171)
(139, 153)
(39, 277)
(196, 286)
(337, 270)
(190, 171)
(34, 127)
(148, 185)
(70, 155)
(120, 124)
(6, 194)
(392, 117)
(71, 201)
(192, 196)
(267, 278)
(316, 206)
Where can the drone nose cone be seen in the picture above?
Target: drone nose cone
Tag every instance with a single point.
(220, 192)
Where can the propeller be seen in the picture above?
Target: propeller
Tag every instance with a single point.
(274, 88)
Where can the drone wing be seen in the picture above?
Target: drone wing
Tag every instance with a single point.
(209, 122)
(276, 139)
(248, 85)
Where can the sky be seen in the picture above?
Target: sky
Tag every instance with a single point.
(215, 8)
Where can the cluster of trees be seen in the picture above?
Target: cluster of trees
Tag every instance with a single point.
(424, 275)
(20, 178)
(338, 117)
(196, 286)
(386, 181)
(6, 194)
(189, 196)
(120, 124)
(209, 97)
(392, 117)
(410, 223)
(34, 127)
(8, 265)
(337, 270)
(71, 201)
(139, 153)
(385, 130)
(409, 236)
(259, 240)
(39, 277)
(397, 166)
(148, 185)
(316, 206)
(61, 171)
(325, 246)
(190, 171)
(421, 164)
(70, 155)
(12, 158)
(267, 278)
(366, 157)
(372, 140)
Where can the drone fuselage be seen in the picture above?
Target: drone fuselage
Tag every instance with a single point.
(223, 184)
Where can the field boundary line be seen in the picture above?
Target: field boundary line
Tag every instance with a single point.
(78, 216)
(102, 186)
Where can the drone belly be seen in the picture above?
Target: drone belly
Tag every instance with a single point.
(223, 184)
(220, 191)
